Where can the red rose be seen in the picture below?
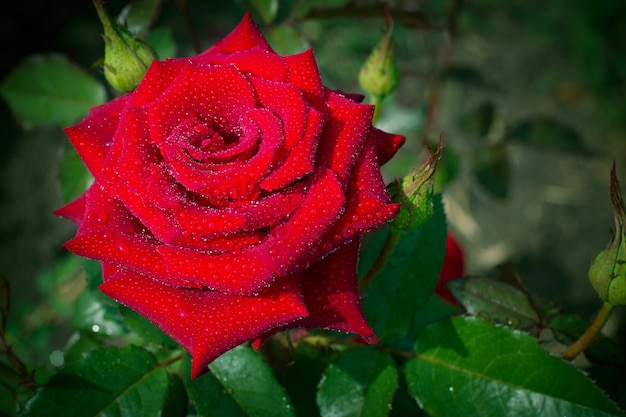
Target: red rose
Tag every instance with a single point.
(453, 268)
(231, 190)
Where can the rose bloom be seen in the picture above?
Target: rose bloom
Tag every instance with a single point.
(231, 190)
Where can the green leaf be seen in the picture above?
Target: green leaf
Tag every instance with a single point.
(145, 329)
(107, 382)
(73, 175)
(361, 382)
(49, 89)
(176, 401)
(139, 15)
(208, 395)
(285, 40)
(302, 376)
(492, 170)
(466, 366)
(240, 383)
(95, 312)
(548, 134)
(162, 41)
(496, 300)
(408, 279)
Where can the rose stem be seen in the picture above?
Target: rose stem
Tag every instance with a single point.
(184, 11)
(583, 342)
(390, 242)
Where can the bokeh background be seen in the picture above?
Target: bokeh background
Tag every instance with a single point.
(529, 96)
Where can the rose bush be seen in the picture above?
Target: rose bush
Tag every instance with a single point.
(230, 193)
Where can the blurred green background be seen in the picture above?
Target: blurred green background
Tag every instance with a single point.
(530, 100)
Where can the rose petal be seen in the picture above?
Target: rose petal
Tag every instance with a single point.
(332, 298)
(236, 180)
(386, 144)
(207, 323)
(245, 36)
(92, 136)
(304, 74)
(74, 210)
(247, 62)
(157, 79)
(220, 94)
(134, 174)
(110, 233)
(368, 205)
(263, 213)
(344, 135)
(287, 249)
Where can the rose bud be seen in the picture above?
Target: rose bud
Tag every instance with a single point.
(379, 74)
(231, 190)
(453, 267)
(126, 58)
(608, 270)
(415, 191)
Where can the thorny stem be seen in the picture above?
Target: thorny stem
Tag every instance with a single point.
(583, 342)
(184, 11)
(390, 243)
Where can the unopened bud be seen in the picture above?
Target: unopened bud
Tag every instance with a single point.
(608, 270)
(126, 58)
(415, 192)
(379, 74)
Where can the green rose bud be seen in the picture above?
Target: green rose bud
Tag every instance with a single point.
(608, 270)
(415, 191)
(379, 74)
(126, 58)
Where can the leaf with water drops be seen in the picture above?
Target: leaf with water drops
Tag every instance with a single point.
(240, 383)
(496, 300)
(462, 362)
(107, 382)
(361, 382)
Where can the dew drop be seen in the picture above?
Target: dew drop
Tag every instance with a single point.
(355, 217)
(272, 251)
(331, 106)
(121, 245)
(102, 216)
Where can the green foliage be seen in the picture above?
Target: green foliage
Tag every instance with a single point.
(406, 281)
(240, 383)
(108, 382)
(460, 361)
(49, 89)
(361, 382)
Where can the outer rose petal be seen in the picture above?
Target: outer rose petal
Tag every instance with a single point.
(332, 297)
(207, 323)
(344, 135)
(93, 135)
(74, 210)
(304, 74)
(245, 36)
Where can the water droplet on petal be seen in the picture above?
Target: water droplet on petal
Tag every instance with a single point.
(121, 245)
